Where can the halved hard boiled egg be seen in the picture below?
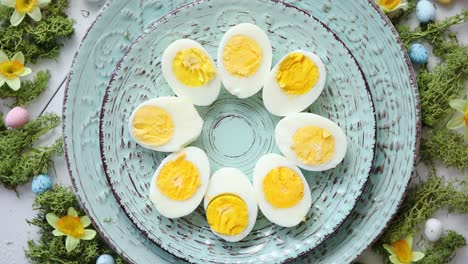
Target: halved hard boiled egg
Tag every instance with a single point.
(294, 83)
(244, 59)
(180, 182)
(312, 142)
(191, 72)
(165, 124)
(283, 194)
(230, 204)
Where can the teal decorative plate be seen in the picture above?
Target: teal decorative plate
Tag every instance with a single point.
(364, 31)
(237, 132)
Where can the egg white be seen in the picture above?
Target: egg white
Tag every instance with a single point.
(280, 103)
(246, 87)
(202, 95)
(286, 217)
(172, 208)
(288, 126)
(233, 181)
(187, 123)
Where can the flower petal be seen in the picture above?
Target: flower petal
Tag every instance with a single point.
(88, 234)
(394, 259)
(3, 57)
(71, 243)
(409, 240)
(42, 3)
(389, 249)
(71, 211)
(26, 71)
(57, 232)
(14, 84)
(9, 3)
(459, 105)
(16, 18)
(2, 81)
(52, 219)
(85, 221)
(18, 57)
(417, 256)
(456, 122)
(35, 14)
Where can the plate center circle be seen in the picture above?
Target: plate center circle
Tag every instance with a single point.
(232, 134)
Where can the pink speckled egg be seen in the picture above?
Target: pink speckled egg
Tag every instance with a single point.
(17, 117)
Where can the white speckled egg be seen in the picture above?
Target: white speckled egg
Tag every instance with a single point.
(425, 11)
(433, 229)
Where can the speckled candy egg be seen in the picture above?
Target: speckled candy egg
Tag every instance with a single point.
(17, 117)
(425, 11)
(418, 54)
(41, 183)
(105, 259)
(433, 229)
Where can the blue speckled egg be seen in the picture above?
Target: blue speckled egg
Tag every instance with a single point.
(105, 259)
(425, 11)
(418, 54)
(41, 183)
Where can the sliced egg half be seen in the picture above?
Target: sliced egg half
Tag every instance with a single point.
(180, 182)
(283, 194)
(230, 204)
(191, 72)
(294, 83)
(165, 124)
(312, 142)
(244, 59)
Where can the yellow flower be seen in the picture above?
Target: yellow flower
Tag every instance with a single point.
(71, 226)
(400, 251)
(23, 7)
(12, 69)
(388, 6)
(459, 121)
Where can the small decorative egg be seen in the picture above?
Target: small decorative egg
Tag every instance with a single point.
(41, 183)
(433, 229)
(418, 54)
(444, 2)
(17, 117)
(425, 11)
(105, 259)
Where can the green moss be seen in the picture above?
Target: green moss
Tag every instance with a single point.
(19, 160)
(442, 250)
(29, 90)
(36, 39)
(50, 249)
(447, 146)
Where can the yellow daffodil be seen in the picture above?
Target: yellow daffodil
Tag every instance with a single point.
(71, 226)
(12, 69)
(388, 6)
(401, 253)
(23, 7)
(459, 121)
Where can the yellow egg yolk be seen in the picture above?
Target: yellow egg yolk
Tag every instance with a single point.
(242, 56)
(11, 69)
(179, 179)
(25, 6)
(297, 74)
(227, 214)
(193, 67)
(153, 125)
(283, 187)
(313, 145)
(403, 251)
(70, 225)
(389, 4)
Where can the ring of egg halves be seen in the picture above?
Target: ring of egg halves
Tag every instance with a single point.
(191, 72)
(165, 124)
(244, 59)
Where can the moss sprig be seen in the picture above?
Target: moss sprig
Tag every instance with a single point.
(446, 146)
(29, 91)
(442, 250)
(50, 249)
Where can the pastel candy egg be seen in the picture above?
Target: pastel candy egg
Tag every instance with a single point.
(425, 11)
(418, 54)
(433, 229)
(105, 259)
(444, 2)
(17, 117)
(41, 183)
